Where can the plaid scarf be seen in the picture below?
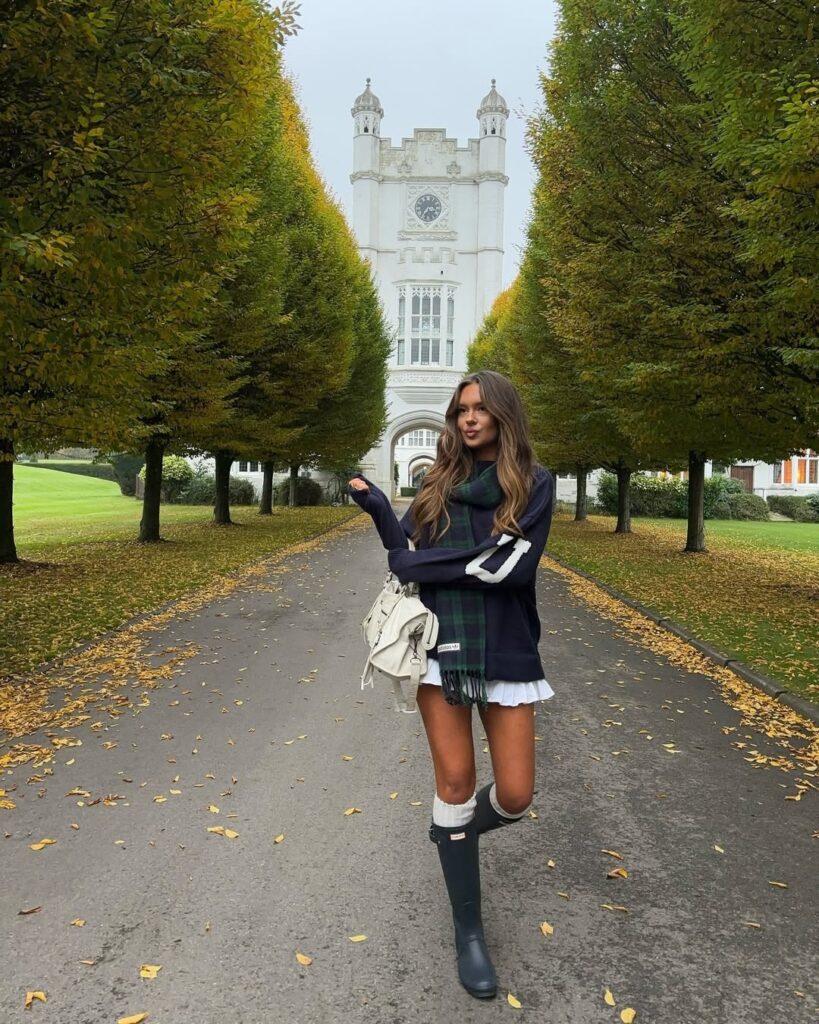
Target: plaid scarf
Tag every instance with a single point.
(461, 613)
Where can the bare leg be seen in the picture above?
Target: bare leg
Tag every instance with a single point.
(511, 735)
(449, 732)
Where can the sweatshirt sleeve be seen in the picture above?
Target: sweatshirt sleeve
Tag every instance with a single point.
(505, 561)
(376, 504)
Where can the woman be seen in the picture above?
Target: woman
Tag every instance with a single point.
(479, 525)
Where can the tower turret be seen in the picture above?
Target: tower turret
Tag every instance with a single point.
(492, 115)
(367, 113)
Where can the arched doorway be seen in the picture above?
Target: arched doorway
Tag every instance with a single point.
(412, 446)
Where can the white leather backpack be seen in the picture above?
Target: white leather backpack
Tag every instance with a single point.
(399, 630)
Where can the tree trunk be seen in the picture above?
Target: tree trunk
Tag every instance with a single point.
(580, 501)
(623, 500)
(266, 501)
(8, 551)
(695, 541)
(294, 478)
(221, 507)
(149, 526)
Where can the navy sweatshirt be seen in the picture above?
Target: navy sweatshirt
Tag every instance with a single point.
(503, 567)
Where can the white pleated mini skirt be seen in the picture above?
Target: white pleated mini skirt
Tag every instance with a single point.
(499, 691)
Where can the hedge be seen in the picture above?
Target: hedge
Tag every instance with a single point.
(802, 508)
(308, 492)
(100, 470)
(652, 496)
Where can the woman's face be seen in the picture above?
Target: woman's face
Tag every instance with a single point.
(477, 426)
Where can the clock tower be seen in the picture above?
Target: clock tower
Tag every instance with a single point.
(428, 216)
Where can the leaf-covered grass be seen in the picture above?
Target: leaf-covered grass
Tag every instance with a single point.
(754, 595)
(89, 574)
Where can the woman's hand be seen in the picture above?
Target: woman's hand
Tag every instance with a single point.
(358, 485)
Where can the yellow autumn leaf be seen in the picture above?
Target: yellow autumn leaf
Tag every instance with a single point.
(160, 799)
(628, 1015)
(149, 970)
(7, 805)
(779, 885)
(513, 1001)
(613, 853)
(137, 1018)
(213, 808)
(88, 963)
(617, 873)
(31, 996)
(613, 906)
(231, 834)
(78, 922)
(218, 829)
(393, 795)
(416, 803)
(550, 863)
(305, 960)
(175, 792)
(42, 844)
(546, 928)
(357, 938)
(719, 849)
(352, 810)
(346, 757)
(608, 998)
(279, 838)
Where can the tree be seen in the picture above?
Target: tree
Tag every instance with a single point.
(110, 164)
(653, 298)
(754, 64)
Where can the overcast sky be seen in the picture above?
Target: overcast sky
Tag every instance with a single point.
(430, 62)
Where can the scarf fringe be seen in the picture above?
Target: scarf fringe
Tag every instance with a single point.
(464, 687)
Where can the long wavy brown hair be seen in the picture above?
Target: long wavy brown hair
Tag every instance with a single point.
(454, 462)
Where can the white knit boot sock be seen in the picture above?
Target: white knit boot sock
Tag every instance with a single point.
(453, 815)
(493, 799)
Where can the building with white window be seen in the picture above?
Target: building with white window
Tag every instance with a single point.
(428, 216)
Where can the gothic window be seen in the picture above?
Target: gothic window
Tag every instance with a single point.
(429, 327)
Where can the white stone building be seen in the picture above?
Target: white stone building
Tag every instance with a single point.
(428, 215)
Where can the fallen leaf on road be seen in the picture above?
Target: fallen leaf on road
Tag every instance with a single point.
(30, 910)
(358, 938)
(67, 741)
(513, 1001)
(617, 873)
(7, 805)
(78, 922)
(220, 830)
(149, 971)
(613, 853)
(550, 863)
(42, 844)
(31, 996)
(779, 885)
(719, 849)
(393, 795)
(613, 906)
(109, 744)
(160, 799)
(352, 810)
(546, 928)
(752, 924)
(565, 895)
(88, 963)
(137, 1018)
(305, 960)
(628, 1015)
(415, 803)
(608, 998)
(279, 839)
(213, 808)
(346, 757)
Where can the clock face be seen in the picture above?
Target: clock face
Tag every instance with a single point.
(428, 207)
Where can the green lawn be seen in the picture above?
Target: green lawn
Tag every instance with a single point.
(753, 595)
(52, 508)
(83, 571)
